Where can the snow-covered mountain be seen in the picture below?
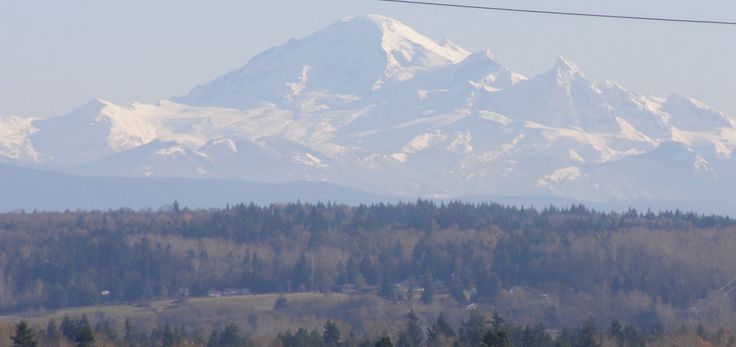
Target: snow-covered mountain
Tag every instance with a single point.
(354, 56)
(370, 103)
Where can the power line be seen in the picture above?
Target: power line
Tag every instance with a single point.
(560, 13)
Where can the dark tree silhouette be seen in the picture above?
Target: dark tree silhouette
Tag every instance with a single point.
(23, 336)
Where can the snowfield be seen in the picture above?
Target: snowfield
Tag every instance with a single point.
(370, 103)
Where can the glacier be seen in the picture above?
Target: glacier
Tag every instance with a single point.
(369, 103)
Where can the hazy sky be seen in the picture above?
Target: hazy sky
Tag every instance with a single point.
(55, 55)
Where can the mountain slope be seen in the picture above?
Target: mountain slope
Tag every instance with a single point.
(370, 103)
(94, 130)
(29, 189)
(353, 56)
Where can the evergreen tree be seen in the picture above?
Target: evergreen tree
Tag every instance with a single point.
(214, 340)
(106, 328)
(84, 337)
(586, 336)
(616, 331)
(440, 328)
(302, 338)
(565, 339)
(387, 287)
(23, 336)
(428, 293)
(167, 336)
(230, 337)
(497, 338)
(700, 330)
(331, 334)
(498, 335)
(52, 331)
(472, 331)
(384, 341)
(280, 303)
(633, 337)
(413, 335)
(497, 323)
(410, 293)
(457, 292)
(129, 335)
(68, 328)
(533, 337)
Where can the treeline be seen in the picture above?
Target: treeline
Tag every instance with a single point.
(476, 331)
(408, 251)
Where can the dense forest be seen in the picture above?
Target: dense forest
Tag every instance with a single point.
(477, 330)
(553, 265)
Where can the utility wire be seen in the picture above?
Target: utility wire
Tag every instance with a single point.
(560, 13)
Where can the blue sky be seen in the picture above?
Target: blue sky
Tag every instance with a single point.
(55, 55)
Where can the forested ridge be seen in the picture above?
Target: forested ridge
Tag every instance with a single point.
(639, 266)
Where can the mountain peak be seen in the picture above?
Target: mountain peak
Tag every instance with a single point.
(485, 54)
(396, 36)
(563, 72)
(370, 102)
(100, 101)
(693, 115)
(376, 19)
(352, 56)
(566, 67)
(89, 109)
(444, 42)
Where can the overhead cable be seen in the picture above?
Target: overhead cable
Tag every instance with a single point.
(562, 13)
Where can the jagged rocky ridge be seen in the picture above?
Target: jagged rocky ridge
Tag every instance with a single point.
(370, 103)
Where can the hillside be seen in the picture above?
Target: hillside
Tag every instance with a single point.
(554, 265)
(46, 190)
